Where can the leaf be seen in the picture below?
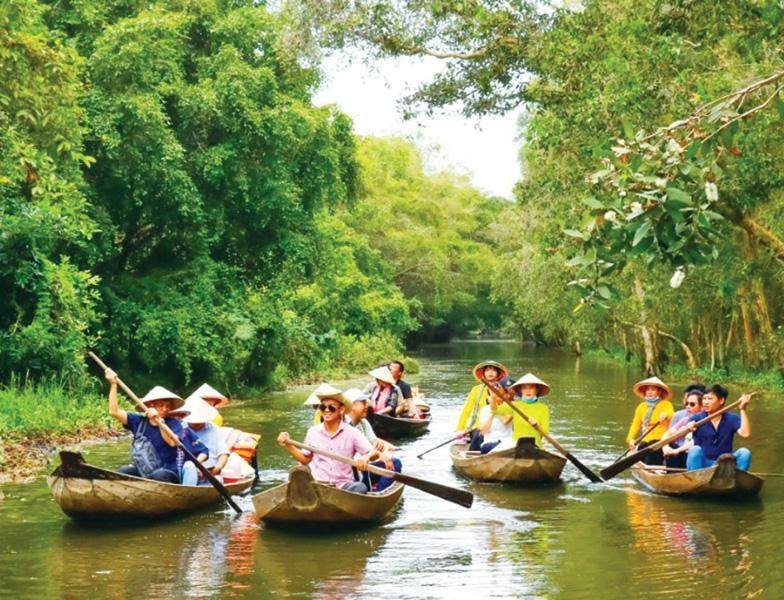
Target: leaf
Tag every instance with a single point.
(604, 292)
(641, 233)
(593, 203)
(678, 195)
(575, 233)
(628, 130)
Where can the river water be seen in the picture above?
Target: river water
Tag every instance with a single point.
(571, 540)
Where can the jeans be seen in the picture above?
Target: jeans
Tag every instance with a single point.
(378, 483)
(355, 486)
(654, 458)
(487, 446)
(160, 474)
(476, 440)
(190, 474)
(695, 459)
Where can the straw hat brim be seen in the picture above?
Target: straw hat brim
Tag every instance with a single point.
(490, 363)
(383, 374)
(209, 393)
(200, 411)
(161, 393)
(655, 382)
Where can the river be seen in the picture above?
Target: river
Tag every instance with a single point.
(571, 540)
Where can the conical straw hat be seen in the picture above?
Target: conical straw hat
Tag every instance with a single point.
(161, 393)
(311, 400)
(654, 381)
(503, 371)
(207, 392)
(530, 379)
(383, 374)
(200, 411)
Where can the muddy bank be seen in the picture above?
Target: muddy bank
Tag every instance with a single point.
(23, 459)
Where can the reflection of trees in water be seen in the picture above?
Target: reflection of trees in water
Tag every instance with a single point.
(706, 542)
(196, 556)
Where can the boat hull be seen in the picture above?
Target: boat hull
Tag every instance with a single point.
(86, 492)
(722, 480)
(303, 500)
(396, 427)
(529, 466)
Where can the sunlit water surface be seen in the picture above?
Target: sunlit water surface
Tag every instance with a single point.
(571, 540)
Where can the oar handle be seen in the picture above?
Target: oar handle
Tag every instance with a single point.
(340, 458)
(449, 441)
(165, 428)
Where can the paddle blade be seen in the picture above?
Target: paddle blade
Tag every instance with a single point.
(584, 470)
(445, 492)
(624, 463)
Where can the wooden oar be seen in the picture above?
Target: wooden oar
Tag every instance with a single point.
(164, 427)
(625, 463)
(449, 441)
(638, 440)
(451, 494)
(569, 456)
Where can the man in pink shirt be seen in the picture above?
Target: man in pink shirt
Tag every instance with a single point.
(337, 436)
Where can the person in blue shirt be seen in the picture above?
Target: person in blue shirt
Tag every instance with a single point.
(210, 445)
(715, 437)
(159, 447)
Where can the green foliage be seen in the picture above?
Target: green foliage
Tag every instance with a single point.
(48, 300)
(436, 233)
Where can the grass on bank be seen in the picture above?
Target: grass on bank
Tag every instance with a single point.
(36, 409)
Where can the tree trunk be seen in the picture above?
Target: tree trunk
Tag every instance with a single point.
(647, 339)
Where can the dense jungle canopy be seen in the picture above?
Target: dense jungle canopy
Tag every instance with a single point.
(170, 195)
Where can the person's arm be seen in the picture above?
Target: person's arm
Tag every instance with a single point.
(299, 456)
(114, 408)
(465, 413)
(222, 460)
(745, 424)
(485, 420)
(171, 440)
(635, 427)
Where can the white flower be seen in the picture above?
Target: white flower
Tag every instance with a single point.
(635, 210)
(711, 191)
(610, 215)
(677, 278)
(622, 193)
(661, 182)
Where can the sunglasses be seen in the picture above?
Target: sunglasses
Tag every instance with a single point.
(328, 408)
(692, 404)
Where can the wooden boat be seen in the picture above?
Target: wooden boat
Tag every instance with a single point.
(303, 500)
(524, 464)
(87, 492)
(387, 426)
(721, 480)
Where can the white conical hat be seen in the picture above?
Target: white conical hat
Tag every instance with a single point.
(311, 400)
(531, 379)
(656, 382)
(207, 392)
(200, 411)
(161, 393)
(383, 374)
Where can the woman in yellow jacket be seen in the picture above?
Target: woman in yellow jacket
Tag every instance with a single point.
(655, 408)
(529, 389)
(491, 371)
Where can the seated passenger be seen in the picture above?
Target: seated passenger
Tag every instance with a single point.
(212, 397)
(200, 422)
(675, 452)
(384, 394)
(489, 371)
(715, 437)
(337, 436)
(530, 389)
(655, 408)
(153, 451)
(493, 429)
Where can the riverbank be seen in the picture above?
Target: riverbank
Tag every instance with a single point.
(731, 375)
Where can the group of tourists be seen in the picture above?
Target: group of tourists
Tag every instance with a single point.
(696, 446)
(489, 423)
(170, 424)
(341, 427)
